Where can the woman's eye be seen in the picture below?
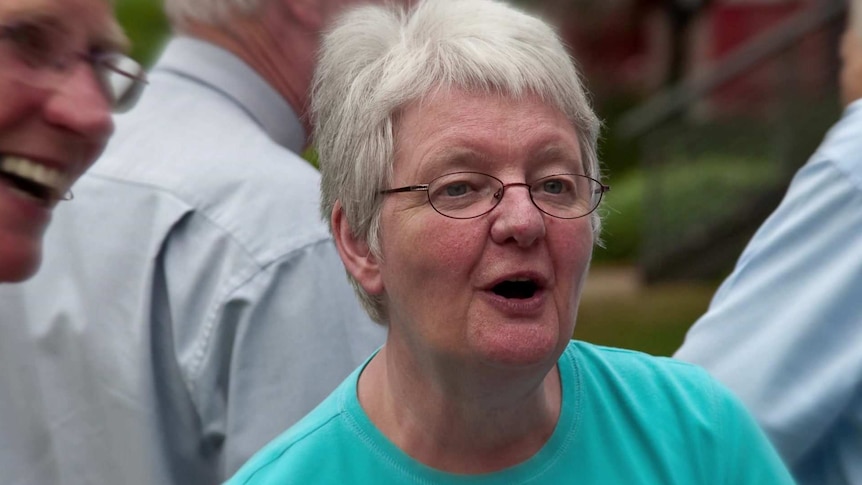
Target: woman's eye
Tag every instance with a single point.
(553, 187)
(456, 189)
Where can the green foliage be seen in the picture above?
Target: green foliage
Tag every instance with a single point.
(145, 26)
(708, 188)
(310, 155)
(622, 210)
(692, 191)
(617, 154)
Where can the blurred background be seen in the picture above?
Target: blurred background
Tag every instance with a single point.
(709, 106)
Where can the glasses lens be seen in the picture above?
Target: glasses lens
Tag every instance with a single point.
(464, 195)
(566, 196)
(123, 80)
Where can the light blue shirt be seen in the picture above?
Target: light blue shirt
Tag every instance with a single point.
(625, 418)
(783, 331)
(191, 304)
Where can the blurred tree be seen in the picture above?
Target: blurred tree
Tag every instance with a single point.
(145, 25)
(681, 14)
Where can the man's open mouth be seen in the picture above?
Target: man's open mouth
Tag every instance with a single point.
(520, 288)
(31, 178)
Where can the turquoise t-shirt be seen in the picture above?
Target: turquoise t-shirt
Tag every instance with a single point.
(626, 418)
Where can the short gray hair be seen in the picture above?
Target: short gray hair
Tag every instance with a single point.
(376, 60)
(208, 11)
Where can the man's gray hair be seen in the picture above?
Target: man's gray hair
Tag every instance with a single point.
(207, 11)
(376, 60)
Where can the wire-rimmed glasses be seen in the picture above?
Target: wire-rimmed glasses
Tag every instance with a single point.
(36, 53)
(466, 195)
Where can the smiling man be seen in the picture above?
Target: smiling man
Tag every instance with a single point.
(58, 65)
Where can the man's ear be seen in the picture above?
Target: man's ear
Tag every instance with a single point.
(355, 253)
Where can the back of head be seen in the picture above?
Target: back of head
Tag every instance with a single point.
(377, 60)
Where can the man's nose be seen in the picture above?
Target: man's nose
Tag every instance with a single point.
(80, 104)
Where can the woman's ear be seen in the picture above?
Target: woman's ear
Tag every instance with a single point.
(355, 253)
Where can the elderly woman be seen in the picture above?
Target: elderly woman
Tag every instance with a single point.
(458, 153)
(61, 72)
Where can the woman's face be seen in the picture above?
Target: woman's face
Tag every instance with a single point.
(50, 132)
(445, 280)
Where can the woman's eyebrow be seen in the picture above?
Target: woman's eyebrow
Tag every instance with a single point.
(455, 158)
(557, 153)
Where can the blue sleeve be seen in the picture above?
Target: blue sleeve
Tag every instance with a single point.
(782, 331)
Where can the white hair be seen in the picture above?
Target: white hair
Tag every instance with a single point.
(376, 60)
(208, 11)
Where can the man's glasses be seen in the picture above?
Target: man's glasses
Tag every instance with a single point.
(465, 195)
(37, 54)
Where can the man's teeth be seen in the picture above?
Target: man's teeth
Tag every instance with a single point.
(33, 171)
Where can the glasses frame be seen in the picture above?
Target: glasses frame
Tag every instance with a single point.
(99, 63)
(498, 196)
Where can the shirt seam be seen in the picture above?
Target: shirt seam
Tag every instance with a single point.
(210, 323)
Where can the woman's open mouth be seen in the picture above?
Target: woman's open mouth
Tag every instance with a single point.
(519, 288)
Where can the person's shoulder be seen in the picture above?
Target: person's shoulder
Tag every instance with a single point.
(665, 392)
(223, 168)
(669, 382)
(636, 362)
(672, 405)
(216, 145)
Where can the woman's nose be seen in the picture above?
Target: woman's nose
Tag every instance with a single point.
(516, 218)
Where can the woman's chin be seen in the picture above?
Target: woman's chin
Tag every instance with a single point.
(519, 345)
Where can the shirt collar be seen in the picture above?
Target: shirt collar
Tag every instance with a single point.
(225, 72)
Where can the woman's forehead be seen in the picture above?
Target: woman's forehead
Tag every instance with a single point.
(455, 125)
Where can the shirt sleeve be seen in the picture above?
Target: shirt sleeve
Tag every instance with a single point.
(260, 345)
(782, 331)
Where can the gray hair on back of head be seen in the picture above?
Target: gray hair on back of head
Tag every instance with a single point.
(207, 11)
(376, 60)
